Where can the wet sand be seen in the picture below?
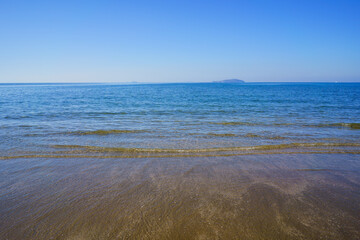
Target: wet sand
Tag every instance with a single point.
(276, 196)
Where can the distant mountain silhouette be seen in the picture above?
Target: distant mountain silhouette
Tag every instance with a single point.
(230, 81)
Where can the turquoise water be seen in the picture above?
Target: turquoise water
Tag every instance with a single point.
(36, 117)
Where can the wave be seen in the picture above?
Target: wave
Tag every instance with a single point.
(248, 135)
(346, 125)
(199, 150)
(222, 134)
(237, 123)
(106, 113)
(178, 155)
(106, 132)
(251, 135)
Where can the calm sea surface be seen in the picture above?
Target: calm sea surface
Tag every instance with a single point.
(180, 161)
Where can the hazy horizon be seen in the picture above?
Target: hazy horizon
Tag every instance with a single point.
(187, 41)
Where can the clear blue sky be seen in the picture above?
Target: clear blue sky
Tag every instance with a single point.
(179, 41)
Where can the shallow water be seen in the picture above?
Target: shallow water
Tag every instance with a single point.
(247, 197)
(180, 161)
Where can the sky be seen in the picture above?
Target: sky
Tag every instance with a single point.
(179, 41)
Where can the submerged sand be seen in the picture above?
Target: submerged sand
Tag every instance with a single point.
(277, 196)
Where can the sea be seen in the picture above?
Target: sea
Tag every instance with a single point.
(180, 161)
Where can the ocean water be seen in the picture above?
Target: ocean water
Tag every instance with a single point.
(180, 161)
(37, 118)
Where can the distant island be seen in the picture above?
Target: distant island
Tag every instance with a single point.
(230, 81)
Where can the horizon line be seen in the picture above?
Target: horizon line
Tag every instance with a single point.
(135, 82)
